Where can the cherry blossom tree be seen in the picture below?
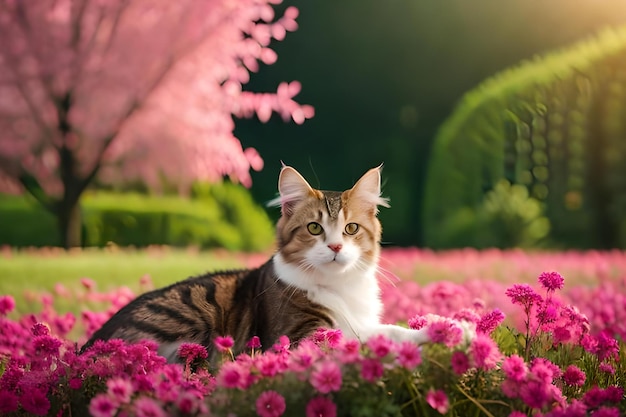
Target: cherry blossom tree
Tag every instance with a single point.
(127, 90)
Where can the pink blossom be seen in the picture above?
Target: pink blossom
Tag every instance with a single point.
(524, 295)
(120, 390)
(7, 304)
(371, 369)
(192, 351)
(224, 343)
(380, 345)
(438, 400)
(417, 322)
(329, 337)
(270, 404)
(490, 321)
(348, 351)
(40, 329)
(321, 407)
(102, 406)
(535, 394)
(551, 281)
(460, 362)
(88, 283)
(147, 407)
(326, 377)
(304, 356)
(409, 355)
(606, 412)
(233, 375)
(515, 368)
(607, 368)
(517, 414)
(484, 352)
(445, 331)
(268, 364)
(35, 402)
(574, 376)
(254, 343)
(8, 402)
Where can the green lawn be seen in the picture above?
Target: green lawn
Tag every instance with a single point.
(23, 272)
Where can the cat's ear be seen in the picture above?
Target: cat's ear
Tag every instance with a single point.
(367, 189)
(292, 188)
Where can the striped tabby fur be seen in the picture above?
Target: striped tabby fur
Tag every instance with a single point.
(323, 274)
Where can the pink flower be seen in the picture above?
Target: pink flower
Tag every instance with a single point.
(607, 368)
(490, 321)
(379, 345)
(459, 362)
(283, 344)
(329, 337)
(224, 343)
(535, 394)
(574, 376)
(47, 345)
(523, 294)
(120, 390)
(40, 329)
(551, 281)
(147, 407)
(88, 283)
(445, 331)
(35, 402)
(517, 414)
(270, 404)
(371, 370)
(349, 351)
(544, 370)
(8, 402)
(233, 375)
(321, 407)
(254, 343)
(409, 355)
(7, 304)
(190, 351)
(515, 368)
(484, 352)
(438, 400)
(326, 377)
(268, 364)
(417, 322)
(75, 383)
(102, 406)
(606, 412)
(304, 356)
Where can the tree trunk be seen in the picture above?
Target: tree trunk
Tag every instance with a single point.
(69, 221)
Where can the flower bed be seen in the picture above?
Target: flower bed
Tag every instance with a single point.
(544, 347)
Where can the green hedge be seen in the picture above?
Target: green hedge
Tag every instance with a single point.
(218, 215)
(554, 125)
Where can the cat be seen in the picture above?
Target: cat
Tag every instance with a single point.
(323, 274)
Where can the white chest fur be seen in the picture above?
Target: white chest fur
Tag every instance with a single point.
(351, 296)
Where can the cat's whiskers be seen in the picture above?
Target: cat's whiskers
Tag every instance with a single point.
(389, 276)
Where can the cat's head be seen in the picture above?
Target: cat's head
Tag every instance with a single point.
(329, 231)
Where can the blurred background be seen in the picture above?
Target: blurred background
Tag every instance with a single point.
(500, 124)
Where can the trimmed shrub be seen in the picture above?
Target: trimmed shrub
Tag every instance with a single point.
(223, 216)
(555, 126)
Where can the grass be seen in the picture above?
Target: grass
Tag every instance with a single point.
(25, 272)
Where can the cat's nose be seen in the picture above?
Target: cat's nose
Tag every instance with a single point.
(335, 247)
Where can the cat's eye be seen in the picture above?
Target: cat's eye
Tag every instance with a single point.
(352, 228)
(315, 228)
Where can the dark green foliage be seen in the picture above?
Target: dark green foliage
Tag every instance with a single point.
(221, 215)
(554, 126)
